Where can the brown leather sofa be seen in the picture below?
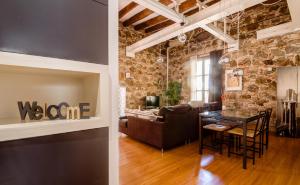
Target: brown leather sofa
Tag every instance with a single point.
(178, 125)
(171, 130)
(123, 125)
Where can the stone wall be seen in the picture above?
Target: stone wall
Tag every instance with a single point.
(200, 45)
(258, 59)
(147, 77)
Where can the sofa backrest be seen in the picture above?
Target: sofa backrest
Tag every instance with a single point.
(178, 109)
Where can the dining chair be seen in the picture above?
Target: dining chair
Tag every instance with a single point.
(265, 130)
(218, 127)
(252, 135)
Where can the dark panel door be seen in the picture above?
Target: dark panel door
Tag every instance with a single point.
(77, 158)
(68, 29)
(104, 2)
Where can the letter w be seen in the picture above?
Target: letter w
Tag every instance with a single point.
(27, 109)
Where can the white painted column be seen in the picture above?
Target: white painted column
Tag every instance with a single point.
(113, 38)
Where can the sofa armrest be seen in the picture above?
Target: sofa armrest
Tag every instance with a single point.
(145, 130)
(123, 117)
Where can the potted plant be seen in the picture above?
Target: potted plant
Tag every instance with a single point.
(173, 93)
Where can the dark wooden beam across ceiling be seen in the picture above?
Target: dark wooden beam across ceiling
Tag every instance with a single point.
(127, 9)
(186, 5)
(164, 24)
(191, 12)
(160, 19)
(143, 14)
(150, 22)
(159, 22)
(137, 17)
(212, 2)
(159, 26)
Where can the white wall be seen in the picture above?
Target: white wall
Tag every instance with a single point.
(44, 86)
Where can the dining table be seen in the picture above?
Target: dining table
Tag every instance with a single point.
(237, 117)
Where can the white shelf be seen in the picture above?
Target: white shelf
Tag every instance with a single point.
(51, 80)
(14, 131)
(22, 60)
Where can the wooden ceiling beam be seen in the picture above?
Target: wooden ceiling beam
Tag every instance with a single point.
(202, 18)
(127, 9)
(212, 2)
(191, 12)
(161, 22)
(150, 22)
(143, 14)
(191, 4)
(159, 26)
(137, 17)
(186, 5)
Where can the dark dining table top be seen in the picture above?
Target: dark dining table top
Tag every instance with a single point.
(234, 115)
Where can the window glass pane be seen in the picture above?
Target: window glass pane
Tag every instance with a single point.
(206, 82)
(193, 68)
(199, 83)
(199, 96)
(194, 96)
(193, 83)
(199, 68)
(207, 66)
(206, 96)
(200, 79)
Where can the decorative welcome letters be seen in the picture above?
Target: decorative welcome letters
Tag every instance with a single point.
(36, 112)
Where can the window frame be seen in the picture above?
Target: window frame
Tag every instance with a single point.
(203, 75)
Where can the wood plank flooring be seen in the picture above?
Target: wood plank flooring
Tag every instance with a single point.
(141, 164)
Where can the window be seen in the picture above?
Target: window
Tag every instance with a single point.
(200, 69)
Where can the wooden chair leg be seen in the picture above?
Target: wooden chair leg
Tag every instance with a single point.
(259, 147)
(267, 139)
(236, 143)
(263, 142)
(240, 144)
(229, 144)
(221, 142)
(253, 147)
(211, 137)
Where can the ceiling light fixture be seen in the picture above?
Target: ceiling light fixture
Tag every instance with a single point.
(160, 59)
(223, 60)
(182, 37)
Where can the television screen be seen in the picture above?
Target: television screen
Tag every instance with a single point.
(152, 101)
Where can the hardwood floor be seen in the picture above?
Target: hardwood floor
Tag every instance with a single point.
(141, 164)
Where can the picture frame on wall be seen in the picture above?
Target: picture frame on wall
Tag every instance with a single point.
(233, 80)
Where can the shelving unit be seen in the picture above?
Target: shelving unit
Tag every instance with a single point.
(51, 81)
(43, 128)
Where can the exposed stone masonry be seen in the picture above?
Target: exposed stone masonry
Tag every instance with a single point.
(258, 59)
(147, 76)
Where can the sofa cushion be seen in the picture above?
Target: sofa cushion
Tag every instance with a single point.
(196, 104)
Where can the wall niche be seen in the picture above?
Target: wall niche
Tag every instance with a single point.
(44, 86)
